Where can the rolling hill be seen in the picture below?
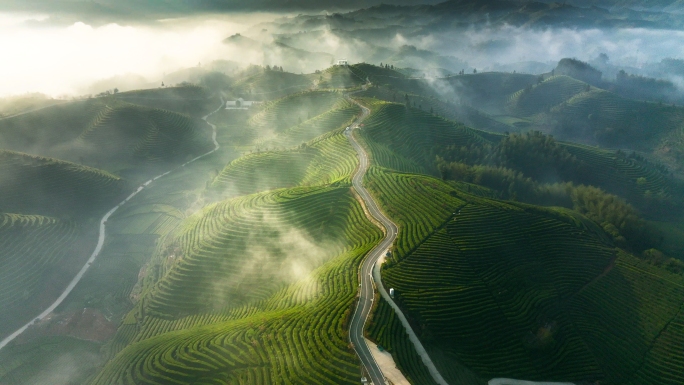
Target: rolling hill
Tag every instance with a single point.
(106, 133)
(243, 267)
(286, 301)
(46, 186)
(189, 100)
(34, 250)
(550, 295)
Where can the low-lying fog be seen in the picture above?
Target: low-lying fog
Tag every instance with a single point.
(57, 60)
(69, 60)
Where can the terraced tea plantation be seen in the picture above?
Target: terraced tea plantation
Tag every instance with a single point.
(265, 314)
(497, 289)
(243, 266)
(322, 161)
(32, 247)
(46, 186)
(541, 97)
(107, 133)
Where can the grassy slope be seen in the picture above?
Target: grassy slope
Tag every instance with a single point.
(304, 320)
(46, 186)
(53, 360)
(106, 133)
(265, 85)
(32, 249)
(253, 277)
(544, 95)
(408, 140)
(530, 293)
(189, 100)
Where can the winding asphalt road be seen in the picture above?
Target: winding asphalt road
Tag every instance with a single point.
(101, 239)
(368, 266)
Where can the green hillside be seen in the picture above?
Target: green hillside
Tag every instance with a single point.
(33, 249)
(339, 77)
(188, 99)
(526, 294)
(276, 116)
(340, 115)
(541, 97)
(46, 186)
(458, 112)
(246, 280)
(46, 363)
(295, 328)
(408, 139)
(106, 133)
(145, 134)
(322, 161)
(617, 121)
(269, 84)
(497, 289)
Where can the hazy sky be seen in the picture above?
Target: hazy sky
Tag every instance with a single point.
(133, 10)
(65, 59)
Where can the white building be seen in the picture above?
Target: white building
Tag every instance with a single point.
(240, 104)
(342, 62)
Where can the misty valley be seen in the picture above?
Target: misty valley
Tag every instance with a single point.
(459, 192)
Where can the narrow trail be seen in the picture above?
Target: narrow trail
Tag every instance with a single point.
(101, 237)
(370, 272)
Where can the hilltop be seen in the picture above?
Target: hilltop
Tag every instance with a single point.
(107, 133)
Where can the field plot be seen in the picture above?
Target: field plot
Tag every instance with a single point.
(340, 115)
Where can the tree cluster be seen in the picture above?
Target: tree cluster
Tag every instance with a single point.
(617, 217)
(534, 154)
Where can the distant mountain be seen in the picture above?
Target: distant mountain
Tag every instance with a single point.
(279, 54)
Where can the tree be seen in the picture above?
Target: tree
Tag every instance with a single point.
(474, 70)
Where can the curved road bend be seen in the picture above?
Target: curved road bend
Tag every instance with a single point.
(101, 238)
(367, 293)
